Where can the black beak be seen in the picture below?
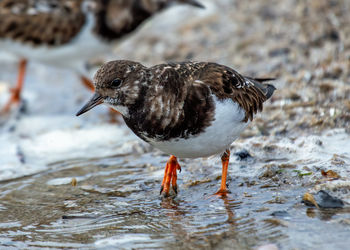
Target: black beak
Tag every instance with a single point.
(95, 100)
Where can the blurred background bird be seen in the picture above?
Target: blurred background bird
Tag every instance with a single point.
(67, 33)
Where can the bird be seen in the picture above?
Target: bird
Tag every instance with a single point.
(66, 33)
(185, 109)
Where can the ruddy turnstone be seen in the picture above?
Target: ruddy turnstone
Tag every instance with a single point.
(68, 32)
(187, 110)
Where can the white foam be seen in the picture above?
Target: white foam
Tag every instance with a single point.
(50, 131)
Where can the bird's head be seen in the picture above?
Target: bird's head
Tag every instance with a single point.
(117, 84)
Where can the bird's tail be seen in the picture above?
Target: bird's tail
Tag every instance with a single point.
(191, 2)
(266, 88)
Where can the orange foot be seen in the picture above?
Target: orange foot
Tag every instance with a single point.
(170, 175)
(16, 91)
(225, 158)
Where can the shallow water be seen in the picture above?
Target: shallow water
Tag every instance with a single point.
(116, 202)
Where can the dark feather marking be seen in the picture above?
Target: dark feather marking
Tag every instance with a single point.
(170, 101)
(68, 18)
(139, 12)
(36, 28)
(227, 83)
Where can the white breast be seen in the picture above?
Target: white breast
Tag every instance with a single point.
(71, 55)
(216, 138)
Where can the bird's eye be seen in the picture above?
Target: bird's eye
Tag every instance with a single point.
(116, 83)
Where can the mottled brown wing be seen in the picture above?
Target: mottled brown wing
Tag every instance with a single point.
(225, 82)
(49, 22)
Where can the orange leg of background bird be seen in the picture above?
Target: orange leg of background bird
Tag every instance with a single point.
(16, 91)
(225, 158)
(170, 176)
(87, 83)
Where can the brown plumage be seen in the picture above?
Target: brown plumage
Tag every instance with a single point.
(225, 82)
(57, 22)
(190, 109)
(49, 22)
(175, 100)
(67, 33)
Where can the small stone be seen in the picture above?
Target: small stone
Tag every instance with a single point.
(269, 171)
(326, 87)
(294, 96)
(318, 142)
(280, 214)
(243, 155)
(322, 200)
(325, 200)
(74, 182)
(330, 174)
(309, 200)
(336, 160)
(279, 52)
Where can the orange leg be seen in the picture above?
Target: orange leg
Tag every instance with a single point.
(225, 158)
(16, 91)
(170, 175)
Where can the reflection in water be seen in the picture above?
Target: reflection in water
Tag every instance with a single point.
(176, 218)
(229, 206)
(326, 214)
(194, 226)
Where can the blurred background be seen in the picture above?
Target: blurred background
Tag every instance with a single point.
(299, 145)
